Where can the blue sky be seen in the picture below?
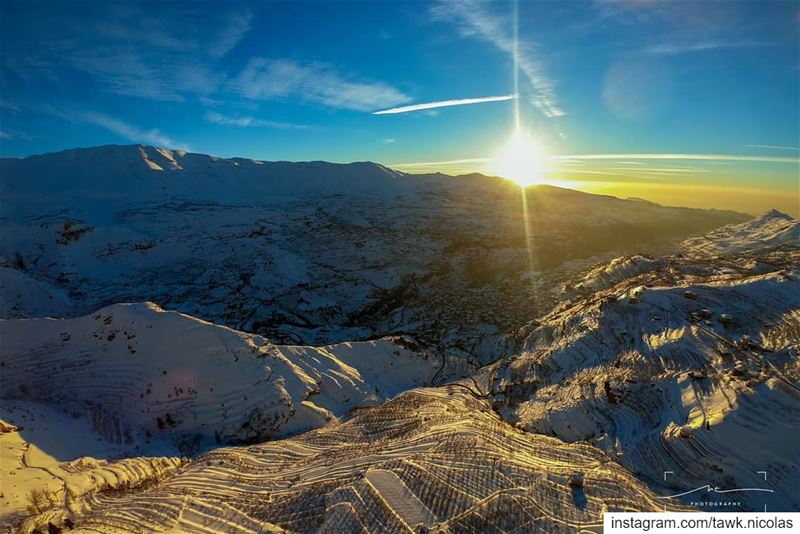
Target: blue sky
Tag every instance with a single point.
(300, 81)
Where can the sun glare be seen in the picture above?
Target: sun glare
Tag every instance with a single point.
(520, 160)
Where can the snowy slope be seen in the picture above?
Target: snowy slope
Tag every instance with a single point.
(692, 367)
(143, 374)
(23, 296)
(771, 229)
(61, 458)
(613, 272)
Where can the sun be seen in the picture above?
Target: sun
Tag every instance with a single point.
(520, 160)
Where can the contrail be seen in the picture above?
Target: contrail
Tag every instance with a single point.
(444, 104)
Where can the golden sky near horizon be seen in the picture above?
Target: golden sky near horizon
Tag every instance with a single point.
(747, 184)
(750, 200)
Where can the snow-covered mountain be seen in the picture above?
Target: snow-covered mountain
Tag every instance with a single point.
(624, 352)
(96, 182)
(304, 252)
(771, 229)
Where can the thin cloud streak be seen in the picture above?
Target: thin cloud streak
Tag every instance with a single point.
(673, 49)
(128, 131)
(667, 170)
(8, 135)
(444, 104)
(248, 122)
(449, 162)
(572, 157)
(708, 157)
(774, 147)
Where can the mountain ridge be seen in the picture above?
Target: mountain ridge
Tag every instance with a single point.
(136, 170)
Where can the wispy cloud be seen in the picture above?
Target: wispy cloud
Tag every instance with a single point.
(580, 157)
(7, 135)
(76, 115)
(683, 27)
(128, 131)
(127, 49)
(700, 157)
(658, 170)
(234, 28)
(8, 106)
(672, 49)
(247, 121)
(175, 54)
(774, 147)
(438, 163)
(444, 104)
(477, 19)
(314, 82)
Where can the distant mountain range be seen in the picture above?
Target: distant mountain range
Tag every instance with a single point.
(305, 252)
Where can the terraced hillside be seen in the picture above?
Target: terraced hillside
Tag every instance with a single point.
(656, 377)
(136, 388)
(683, 366)
(433, 459)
